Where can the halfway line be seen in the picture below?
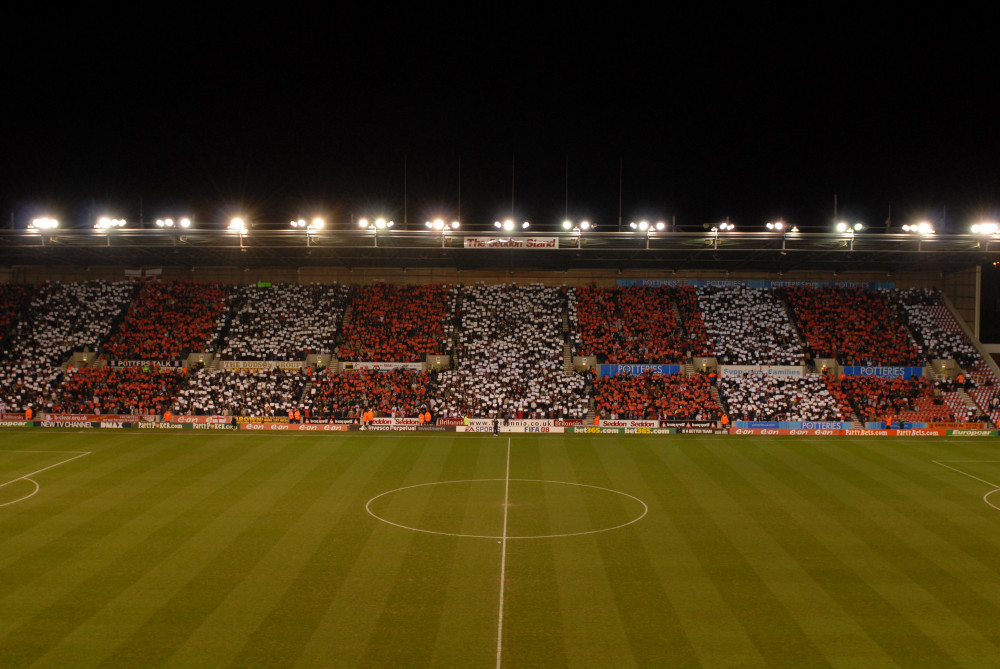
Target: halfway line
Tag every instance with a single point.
(503, 555)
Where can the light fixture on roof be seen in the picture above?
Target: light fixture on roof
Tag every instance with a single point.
(43, 224)
(311, 226)
(170, 223)
(850, 228)
(985, 228)
(107, 223)
(921, 228)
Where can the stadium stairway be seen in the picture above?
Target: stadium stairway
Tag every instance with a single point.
(718, 399)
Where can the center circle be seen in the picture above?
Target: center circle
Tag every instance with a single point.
(536, 509)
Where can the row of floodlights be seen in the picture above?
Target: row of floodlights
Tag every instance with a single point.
(508, 225)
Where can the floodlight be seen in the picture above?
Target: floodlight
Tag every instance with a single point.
(107, 223)
(985, 228)
(43, 224)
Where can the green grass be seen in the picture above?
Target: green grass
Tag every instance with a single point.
(254, 550)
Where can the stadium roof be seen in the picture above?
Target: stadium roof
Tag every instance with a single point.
(731, 251)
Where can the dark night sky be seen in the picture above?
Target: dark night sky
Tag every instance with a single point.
(746, 116)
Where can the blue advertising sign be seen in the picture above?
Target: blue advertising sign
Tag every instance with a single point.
(636, 370)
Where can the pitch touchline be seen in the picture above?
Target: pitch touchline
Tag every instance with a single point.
(503, 555)
(955, 469)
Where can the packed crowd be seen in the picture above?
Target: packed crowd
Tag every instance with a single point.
(759, 397)
(167, 320)
(13, 298)
(937, 333)
(65, 317)
(126, 390)
(245, 392)
(398, 323)
(748, 326)
(632, 325)
(510, 355)
(874, 398)
(281, 321)
(28, 383)
(396, 393)
(855, 325)
(507, 342)
(655, 396)
(698, 343)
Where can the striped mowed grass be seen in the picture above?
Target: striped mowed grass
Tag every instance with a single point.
(140, 549)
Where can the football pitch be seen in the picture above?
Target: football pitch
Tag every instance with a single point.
(156, 549)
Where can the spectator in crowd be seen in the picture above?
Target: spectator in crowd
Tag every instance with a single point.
(760, 397)
(655, 396)
(748, 326)
(127, 390)
(390, 323)
(856, 325)
(168, 320)
(243, 392)
(281, 322)
(396, 393)
(511, 356)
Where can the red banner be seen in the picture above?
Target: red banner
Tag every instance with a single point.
(302, 427)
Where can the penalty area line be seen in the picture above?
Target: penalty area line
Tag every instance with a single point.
(44, 469)
(986, 497)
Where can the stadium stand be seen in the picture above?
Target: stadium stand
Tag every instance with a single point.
(912, 400)
(135, 390)
(855, 325)
(630, 325)
(510, 355)
(748, 326)
(655, 396)
(168, 320)
(244, 392)
(390, 323)
(509, 346)
(281, 321)
(757, 397)
(394, 393)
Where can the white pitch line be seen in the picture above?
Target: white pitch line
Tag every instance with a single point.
(503, 556)
(938, 462)
(43, 469)
(986, 497)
